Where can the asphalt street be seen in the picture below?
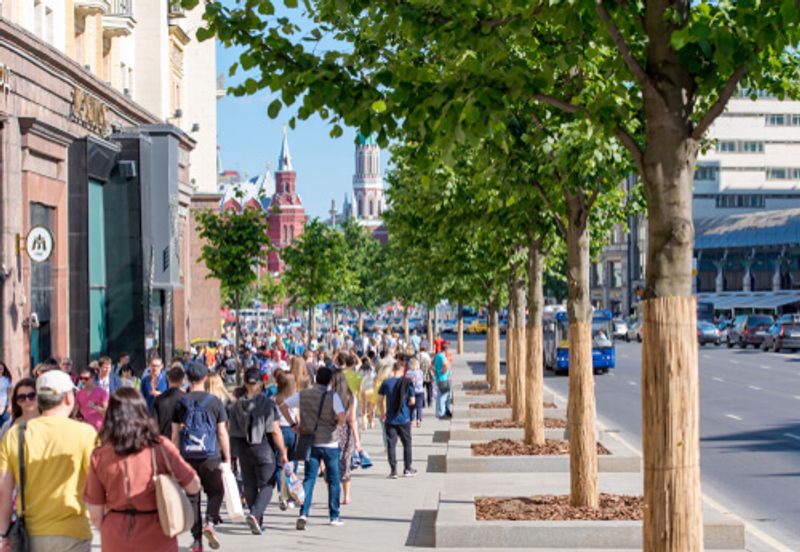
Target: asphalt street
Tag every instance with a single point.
(750, 428)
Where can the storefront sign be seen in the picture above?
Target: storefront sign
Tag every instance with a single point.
(39, 244)
(89, 111)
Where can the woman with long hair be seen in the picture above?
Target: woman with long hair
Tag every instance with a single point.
(120, 492)
(216, 386)
(286, 388)
(346, 433)
(5, 393)
(297, 367)
(23, 404)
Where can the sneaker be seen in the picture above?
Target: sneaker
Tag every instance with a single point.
(393, 475)
(252, 522)
(336, 522)
(211, 535)
(291, 505)
(283, 505)
(197, 546)
(410, 472)
(301, 523)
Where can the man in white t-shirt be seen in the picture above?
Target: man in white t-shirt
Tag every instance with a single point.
(321, 411)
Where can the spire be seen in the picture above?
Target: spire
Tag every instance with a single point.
(285, 160)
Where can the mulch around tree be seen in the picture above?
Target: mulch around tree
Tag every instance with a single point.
(508, 423)
(501, 404)
(517, 447)
(478, 384)
(484, 392)
(557, 508)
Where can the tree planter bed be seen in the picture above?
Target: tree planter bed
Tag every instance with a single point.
(508, 423)
(475, 385)
(460, 459)
(463, 411)
(465, 430)
(557, 508)
(457, 526)
(467, 397)
(516, 447)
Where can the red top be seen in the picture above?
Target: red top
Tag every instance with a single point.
(106, 485)
(437, 344)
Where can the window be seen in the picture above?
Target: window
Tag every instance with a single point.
(778, 173)
(38, 18)
(360, 207)
(727, 146)
(291, 232)
(597, 274)
(796, 119)
(753, 147)
(371, 208)
(776, 120)
(706, 172)
(48, 25)
(733, 201)
(615, 272)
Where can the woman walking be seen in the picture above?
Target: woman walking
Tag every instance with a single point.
(23, 404)
(120, 492)
(5, 393)
(347, 433)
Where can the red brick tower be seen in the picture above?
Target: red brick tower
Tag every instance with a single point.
(286, 216)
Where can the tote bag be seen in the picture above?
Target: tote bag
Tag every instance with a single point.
(175, 512)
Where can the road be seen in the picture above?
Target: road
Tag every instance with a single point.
(749, 425)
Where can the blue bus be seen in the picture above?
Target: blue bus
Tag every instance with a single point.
(556, 346)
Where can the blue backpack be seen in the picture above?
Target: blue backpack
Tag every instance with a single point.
(198, 436)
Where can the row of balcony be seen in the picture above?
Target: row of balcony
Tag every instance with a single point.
(123, 8)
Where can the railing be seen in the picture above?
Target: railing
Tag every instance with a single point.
(121, 8)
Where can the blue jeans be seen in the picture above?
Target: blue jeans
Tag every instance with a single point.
(443, 398)
(289, 440)
(329, 457)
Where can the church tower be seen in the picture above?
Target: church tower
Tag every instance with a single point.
(285, 214)
(368, 197)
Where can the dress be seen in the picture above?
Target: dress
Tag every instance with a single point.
(106, 485)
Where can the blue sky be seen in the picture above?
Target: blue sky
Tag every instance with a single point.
(249, 139)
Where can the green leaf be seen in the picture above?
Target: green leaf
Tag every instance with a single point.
(379, 106)
(290, 3)
(274, 109)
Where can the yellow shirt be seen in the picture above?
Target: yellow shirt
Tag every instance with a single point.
(57, 456)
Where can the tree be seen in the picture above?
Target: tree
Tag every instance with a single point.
(316, 268)
(235, 244)
(271, 290)
(655, 74)
(365, 258)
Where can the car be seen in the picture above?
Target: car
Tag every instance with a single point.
(449, 326)
(502, 324)
(620, 328)
(782, 335)
(724, 328)
(749, 329)
(707, 333)
(634, 331)
(478, 326)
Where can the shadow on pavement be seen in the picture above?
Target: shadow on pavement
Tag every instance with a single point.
(784, 438)
(436, 463)
(422, 532)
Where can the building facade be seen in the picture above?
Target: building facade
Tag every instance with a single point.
(94, 178)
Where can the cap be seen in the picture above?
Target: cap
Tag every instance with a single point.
(252, 375)
(196, 371)
(53, 383)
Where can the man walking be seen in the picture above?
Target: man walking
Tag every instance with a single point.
(164, 404)
(200, 433)
(443, 375)
(56, 461)
(396, 416)
(154, 383)
(321, 410)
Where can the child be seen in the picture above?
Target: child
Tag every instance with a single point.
(415, 375)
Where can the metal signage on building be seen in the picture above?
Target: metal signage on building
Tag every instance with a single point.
(39, 244)
(89, 111)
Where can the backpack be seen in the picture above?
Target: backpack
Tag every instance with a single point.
(198, 436)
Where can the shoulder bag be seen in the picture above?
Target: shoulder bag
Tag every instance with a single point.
(306, 440)
(18, 534)
(175, 512)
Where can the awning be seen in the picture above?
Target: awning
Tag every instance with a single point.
(769, 300)
(759, 229)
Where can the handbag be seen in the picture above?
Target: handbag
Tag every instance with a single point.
(175, 512)
(306, 440)
(18, 538)
(233, 500)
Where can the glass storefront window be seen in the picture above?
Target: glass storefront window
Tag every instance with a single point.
(97, 271)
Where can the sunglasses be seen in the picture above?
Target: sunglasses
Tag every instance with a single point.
(85, 378)
(26, 396)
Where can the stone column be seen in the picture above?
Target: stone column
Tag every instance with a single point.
(719, 281)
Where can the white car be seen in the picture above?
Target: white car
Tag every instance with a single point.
(634, 332)
(620, 329)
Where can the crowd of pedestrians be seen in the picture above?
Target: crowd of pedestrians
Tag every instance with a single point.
(85, 443)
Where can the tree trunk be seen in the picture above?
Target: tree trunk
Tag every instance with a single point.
(517, 331)
(238, 299)
(312, 322)
(333, 315)
(460, 330)
(493, 345)
(509, 354)
(534, 377)
(360, 322)
(581, 399)
(406, 333)
(673, 519)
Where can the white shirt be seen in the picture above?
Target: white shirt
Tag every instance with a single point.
(293, 402)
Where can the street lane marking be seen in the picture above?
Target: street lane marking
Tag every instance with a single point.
(765, 367)
(734, 361)
(631, 383)
(734, 417)
(797, 397)
(792, 436)
(754, 388)
(718, 379)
